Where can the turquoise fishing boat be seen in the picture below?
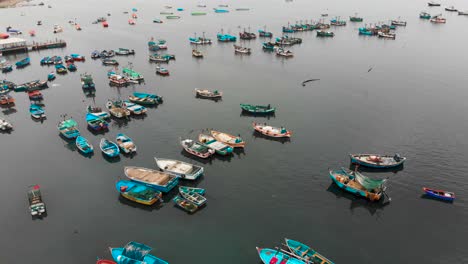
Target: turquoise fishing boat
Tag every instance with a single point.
(36, 111)
(193, 197)
(269, 46)
(23, 63)
(158, 180)
(277, 256)
(138, 193)
(200, 191)
(51, 76)
(184, 204)
(217, 10)
(258, 109)
(305, 253)
(145, 98)
(60, 69)
(425, 15)
(365, 31)
(68, 128)
(71, 67)
(95, 122)
(83, 145)
(358, 184)
(125, 143)
(212, 143)
(87, 81)
(135, 253)
(226, 38)
(109, 148)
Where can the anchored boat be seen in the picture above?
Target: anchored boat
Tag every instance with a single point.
(135, 109)
(258, 109)
(208, 94)
(158, 180)
(196, 148)
(321, 33)
(193, 197)
(36, 111)
(377, 161)
(233, 141)
(241, 50)
(145, 98)
(125, 143)
(439, 194)
(358, 184)
(181, 169)
(136, 253)
(109, 148)
(212, 143)
(95, 122)
(305, 253)
(137, 192)
(5, 125)
(184, 204)
(271, 131)
(97, 111)
(269, 256)
(36, 205)
(117, 109)
(68, 128)
(83, 145)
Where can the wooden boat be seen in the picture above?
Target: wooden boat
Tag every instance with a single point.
(158, 180)
(242, 9)
(5, 67)
(265, 34)
(198, 13)
(105, 24)
(196, 148)
(197, 53)
(110, 62)
(135, 109)
(212, 143)
(87, 81)
(200, 191)
(247, 35)
(181, 169)
(145, 98)
(233, 141)
(68, 128)
(166, 13)
(36, 111)
(193, 197)
(97, 111)
(162, 71)
(377, 161)
(271, 131)
(386, 35)
(356, 19)
(241, 50)
(77, 57)
(208, 94)
(158, 21)
(95, 54)
(226, 38)
(451, 9)
(305, 253)
(217, 10)
(125, 143)
(123, 52)
(137, 192)
(200, 41)
(270, 256)
(432, 3)
(5, 125)
(51, 76)
(57, 29)
(83, 145)
(269, 46)
(117, 109)
(68, 58)
(60, 69)
(463, 13)
(398, 23)
(71, 67)
(438, 194)
(438, 20)
(118, 80)
(358, 184)
(158, 58)
(321, 33)
(109, 148)
(424, 15)
(337, 22)
(136, 253)
(36, 205)
(258, 109)
(35, 96)
(284, 53)
(184, 204)
(131, 22)
(95, 122)
(172, 17)
(23, 63)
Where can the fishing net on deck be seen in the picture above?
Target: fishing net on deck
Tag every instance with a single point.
(143, 195)
(368, 183)
(135, 251)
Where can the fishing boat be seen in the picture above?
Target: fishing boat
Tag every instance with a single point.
(6, 67)
(386, 35)
(212, 143)
(377, 161)
(57, 60)
(247, 35)
(184, 204)
(145, 98)
(284, 53)
(78, 27)
(305, 253)
(158, 58)
(13, 31)
(118, 80)
(173, 17)
(217, 10)
(270, 256)
(162, 71)
(83, 145)
(438, 20)
(337, 22)
(111, 62)
(321, 33)
(233, 141)
(36, 205)
(451, 9)
(269, 46)
(158, 180)
(424, 15)
(23, 63)
(242, 9)
(60, 69)
(288, 29)
(398, 23)
(134, 15)
(46, 60)
(271, 131)
(208, 94)
(197, 53)
(200, 41)
(265, 34)
(105, 24)
(241, 50)
(136, 253)
(131, 22)
(258, 109)
(117, 109)
(51, 76)
(200, 191)
(95, 122)
(5, 125)
(68, 59)
(137, 192)
(432, 3)
(36, 111)
(356, 19)
(196, 148)
(97, 111)
(95, 54)
(123, 51)
(71, 67)
(135, 109)
(132, 75)
(87, 81)
(68, 128)
(193, 197)
(358, 184)
(32, 33)
(109, 148)
(438, 194)
(179, 168)
(463, 13)
(125, 143)
(198, 13)
(36, 85)
(57, 29)
(35, 96)
(158, 21)
(226, 38)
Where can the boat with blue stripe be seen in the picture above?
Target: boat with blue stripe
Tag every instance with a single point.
(135, 253)
(377, 161)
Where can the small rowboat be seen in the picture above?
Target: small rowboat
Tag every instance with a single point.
(162, 71)
(83, 145)
(136, 253)
(172, 17)
(398, 23)
(181, 169)
(451, 9)
(321, 33)
(200, 191)
(95, 122)
(5, 125)
(463, 13)
(212, 143)
(438, 194)
(97, 111)
(125, 143)
(35, 96)
(270, 256)
(438, 20)
(432, 3)
(233, 141)
(157, 21)
(241, 50)
(158, 180)
(184, 204)
(137, 192)
(117, 109)
(377, 161)
(198, 13)
(358, 184)
(424, 15)
(7, 100)
(193, 197)
(386, 35)
(284, 53)
(196, 148)
(271, 131)
(36, 205)
(145, 98)
(68, 128)
(258, 109)
(36, 111)
(23, 63)
(208, 94)
(135, 109)
(305, 252)
(197, 54)
(109, 148)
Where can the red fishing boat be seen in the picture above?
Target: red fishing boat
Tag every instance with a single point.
(105, 261)
(6, 99)
(105, 24)
(4, 36)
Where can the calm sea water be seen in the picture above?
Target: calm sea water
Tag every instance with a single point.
(413, 101)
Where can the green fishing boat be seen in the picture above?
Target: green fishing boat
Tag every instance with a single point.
(198, 13)
(258, 109)
(356, 19)
(166, 13)
(321, 33)
(172, 17)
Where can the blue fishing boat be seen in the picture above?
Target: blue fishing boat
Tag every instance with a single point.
(68, 128)
(87, 81)
(439, 194)
(138, 193)
(57, 60)
(135, 253)
(109, 148)
(135, 109)
(95, 122)
(46, 60)
(377, 161)
(36, 111)
(83, 145)
(51, 76)
(269, 46)
(125, 143)
(358, 184)
(158, 180)
(217, 10)
(23, 63)
(305, 253)
(95, 54)
(145, 98)
(6, 68)
(77, 57)
(365, 31)
(269, 256)
(60, 69)
(71, 67)
(288, 30)
(226, 38)
(265, 34)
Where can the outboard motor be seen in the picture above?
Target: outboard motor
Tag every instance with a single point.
(397, 157)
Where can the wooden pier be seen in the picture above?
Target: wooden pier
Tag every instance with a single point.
(17, 45)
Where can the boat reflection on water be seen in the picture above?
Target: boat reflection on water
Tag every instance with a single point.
(283, 140)
(267, 116)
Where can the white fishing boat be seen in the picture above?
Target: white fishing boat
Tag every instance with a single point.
(181, 169)
(5, 125)
(161, 181)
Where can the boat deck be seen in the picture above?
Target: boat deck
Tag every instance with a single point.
(178, 167)
(344, 179)
(217, 145)
(150, 176)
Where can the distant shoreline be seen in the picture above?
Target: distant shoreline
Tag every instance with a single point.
(9, 3)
